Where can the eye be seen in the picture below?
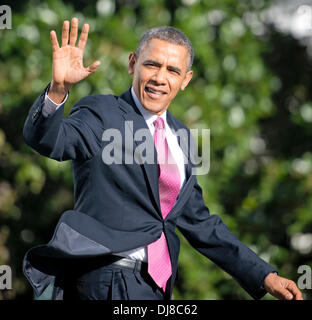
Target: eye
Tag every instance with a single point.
(150, 64)
(174, 71)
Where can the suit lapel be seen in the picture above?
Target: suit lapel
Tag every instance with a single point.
(183, 141)
(131, 113)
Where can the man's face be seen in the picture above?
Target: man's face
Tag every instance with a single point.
(159, 73)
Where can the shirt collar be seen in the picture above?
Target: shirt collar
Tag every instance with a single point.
(149, 117)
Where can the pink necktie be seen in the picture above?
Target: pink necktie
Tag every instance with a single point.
(159, 265)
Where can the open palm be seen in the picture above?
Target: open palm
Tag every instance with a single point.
(68, 66)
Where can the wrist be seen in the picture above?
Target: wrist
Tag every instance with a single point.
(57, 93)
(268, 279)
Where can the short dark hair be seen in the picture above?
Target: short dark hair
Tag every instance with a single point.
(169, 34)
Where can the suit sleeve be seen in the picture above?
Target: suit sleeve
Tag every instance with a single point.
(77, 136)
(211, 237)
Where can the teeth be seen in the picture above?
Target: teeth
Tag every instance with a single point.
(154, 91)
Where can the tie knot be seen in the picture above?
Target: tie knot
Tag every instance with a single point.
(159, 123)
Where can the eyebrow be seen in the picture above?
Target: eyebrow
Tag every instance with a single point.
(157, 64)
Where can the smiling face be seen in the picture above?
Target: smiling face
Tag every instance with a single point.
(159, 73)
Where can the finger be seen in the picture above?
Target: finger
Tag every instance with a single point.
(298, 296)
(54, 42)
(282, 294)
(65, 32)
(73, 32)
(83, 36)
(92, 68)
(295, 291)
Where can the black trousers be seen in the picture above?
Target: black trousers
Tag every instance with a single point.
(97, 279)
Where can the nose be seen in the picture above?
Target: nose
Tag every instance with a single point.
(160, 76)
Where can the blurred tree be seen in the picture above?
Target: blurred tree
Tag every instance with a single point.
(251, 88)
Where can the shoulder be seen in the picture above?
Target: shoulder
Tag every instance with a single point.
(175, 123)
(97, 103)
(97, 108)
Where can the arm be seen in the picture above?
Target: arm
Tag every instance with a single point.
(210, 236)
(77, 136)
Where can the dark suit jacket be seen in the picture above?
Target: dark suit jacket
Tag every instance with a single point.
(117, 206)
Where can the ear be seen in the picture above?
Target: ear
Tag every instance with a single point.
(187, 79)
(131, 63)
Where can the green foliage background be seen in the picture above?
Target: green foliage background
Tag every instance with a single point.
(252, 89)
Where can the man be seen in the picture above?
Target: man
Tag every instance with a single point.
(119, 241)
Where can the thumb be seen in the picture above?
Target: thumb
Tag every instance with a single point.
(92, 68)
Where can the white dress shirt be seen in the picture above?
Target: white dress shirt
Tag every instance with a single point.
(177, 153)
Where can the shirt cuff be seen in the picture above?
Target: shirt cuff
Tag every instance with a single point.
(50, 107)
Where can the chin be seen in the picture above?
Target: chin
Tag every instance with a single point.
(153, 108)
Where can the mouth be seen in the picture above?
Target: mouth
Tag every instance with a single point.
(153, 92)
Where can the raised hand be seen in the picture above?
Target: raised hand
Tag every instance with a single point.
(68, 66)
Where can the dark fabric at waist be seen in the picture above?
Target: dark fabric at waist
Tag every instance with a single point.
(84, 265)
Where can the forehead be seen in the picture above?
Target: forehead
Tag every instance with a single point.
(165, 52)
